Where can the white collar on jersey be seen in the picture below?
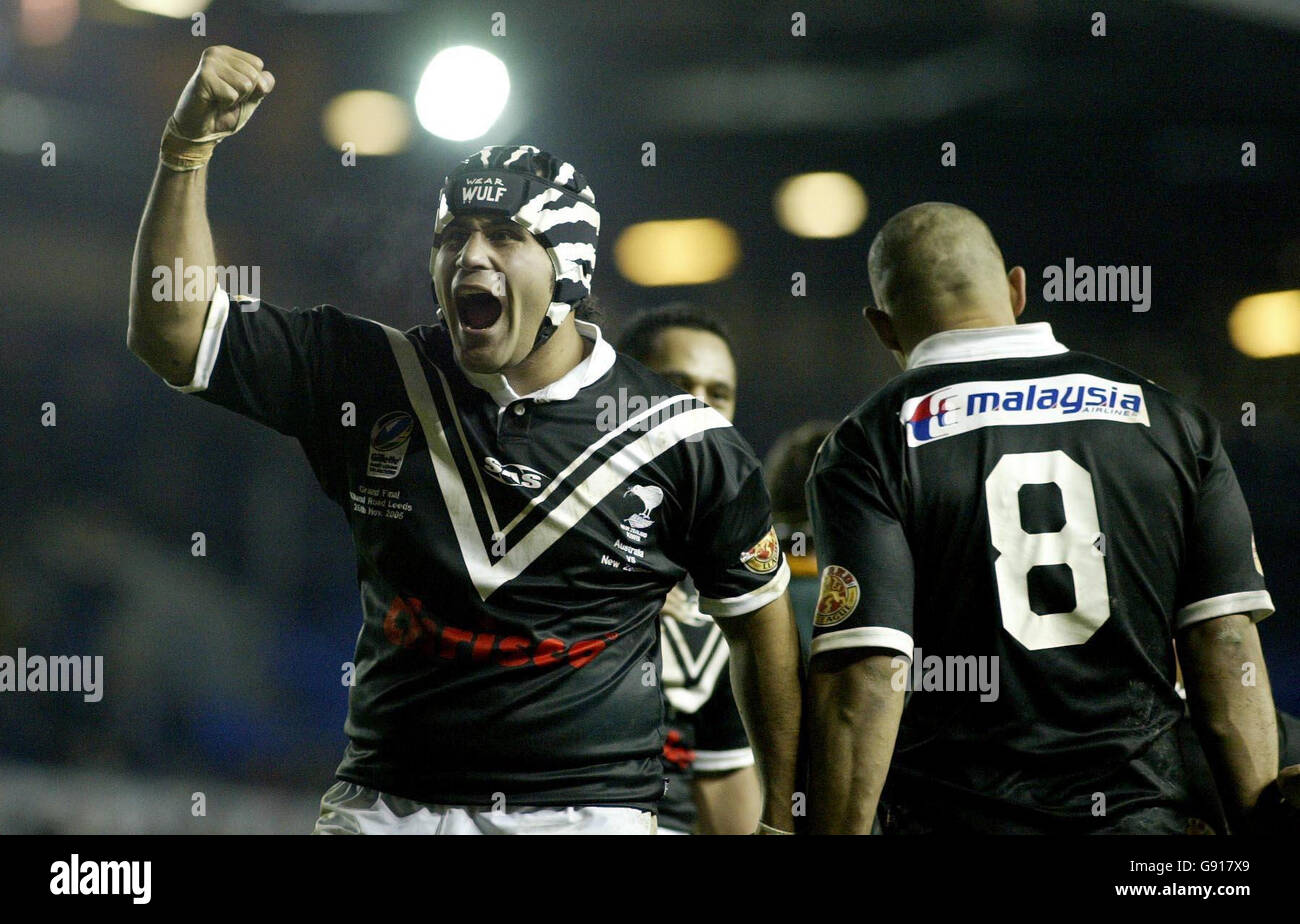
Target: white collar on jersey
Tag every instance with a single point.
(981, 343)
(593, 366)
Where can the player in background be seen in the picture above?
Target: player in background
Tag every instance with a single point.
(1015, 532)
(711, 786)
(519, 510)
(786, 468)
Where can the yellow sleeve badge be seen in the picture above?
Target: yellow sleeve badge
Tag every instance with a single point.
(764, 555)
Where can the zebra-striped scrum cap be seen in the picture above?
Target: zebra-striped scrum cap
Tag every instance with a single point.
(545, 195)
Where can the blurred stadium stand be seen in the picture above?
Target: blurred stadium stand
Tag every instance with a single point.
(57, 800)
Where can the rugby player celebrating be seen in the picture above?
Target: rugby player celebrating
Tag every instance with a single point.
(514, 547)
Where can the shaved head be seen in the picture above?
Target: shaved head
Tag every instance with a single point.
(934, 267)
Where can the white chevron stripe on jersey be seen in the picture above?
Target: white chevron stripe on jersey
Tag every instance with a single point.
(689, 679)
(595, 488)
(559, 480)
(473, 466)
(486, 575)
(690, 663)
(586, 454)
(444, 465)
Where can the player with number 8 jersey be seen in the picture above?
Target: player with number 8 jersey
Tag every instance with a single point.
(1024, 529)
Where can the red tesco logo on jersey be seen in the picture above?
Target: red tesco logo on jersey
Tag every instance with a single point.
(408, 626)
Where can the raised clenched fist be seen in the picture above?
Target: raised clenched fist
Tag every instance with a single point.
(222, 93)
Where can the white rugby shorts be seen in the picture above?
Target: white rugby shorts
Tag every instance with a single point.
(348, 808)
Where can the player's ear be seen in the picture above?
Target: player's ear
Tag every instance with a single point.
(883, 325)
(1016, 282)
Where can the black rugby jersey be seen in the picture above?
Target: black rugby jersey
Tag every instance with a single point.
(513, 552)
(1030, 526)
(705, 731)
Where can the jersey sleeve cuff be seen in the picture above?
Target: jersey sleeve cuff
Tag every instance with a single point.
(723, 761)
(747, 603)
(218, 311)
(1256, 603)
(865, 637)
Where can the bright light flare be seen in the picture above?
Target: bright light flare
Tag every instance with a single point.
(1267, 325)
(820, 205)
(683, 252)
(46, 22)
(173, 9)
(462, 93)
(377, 123)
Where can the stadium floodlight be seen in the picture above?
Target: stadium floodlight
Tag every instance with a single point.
(820, 205)
(175, 9)
(462, 93)
(46, 22)
(375, 122)
(1267, 325)
(680, 252)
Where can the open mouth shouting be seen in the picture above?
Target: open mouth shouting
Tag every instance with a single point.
(479, 305)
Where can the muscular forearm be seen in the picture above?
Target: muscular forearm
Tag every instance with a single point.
(165, 333)
(1231, 702)
(765, 678)
(165, 325)
(853, 716)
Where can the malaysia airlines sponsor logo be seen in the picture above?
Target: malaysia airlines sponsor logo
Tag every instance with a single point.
(513, 474)
(930, 415)
(968, 406)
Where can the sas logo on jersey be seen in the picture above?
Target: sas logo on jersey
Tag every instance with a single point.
(764, 555)
(650, 496)
(388, 441)
(513, 474)
(1055, 399)
(838, 597)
